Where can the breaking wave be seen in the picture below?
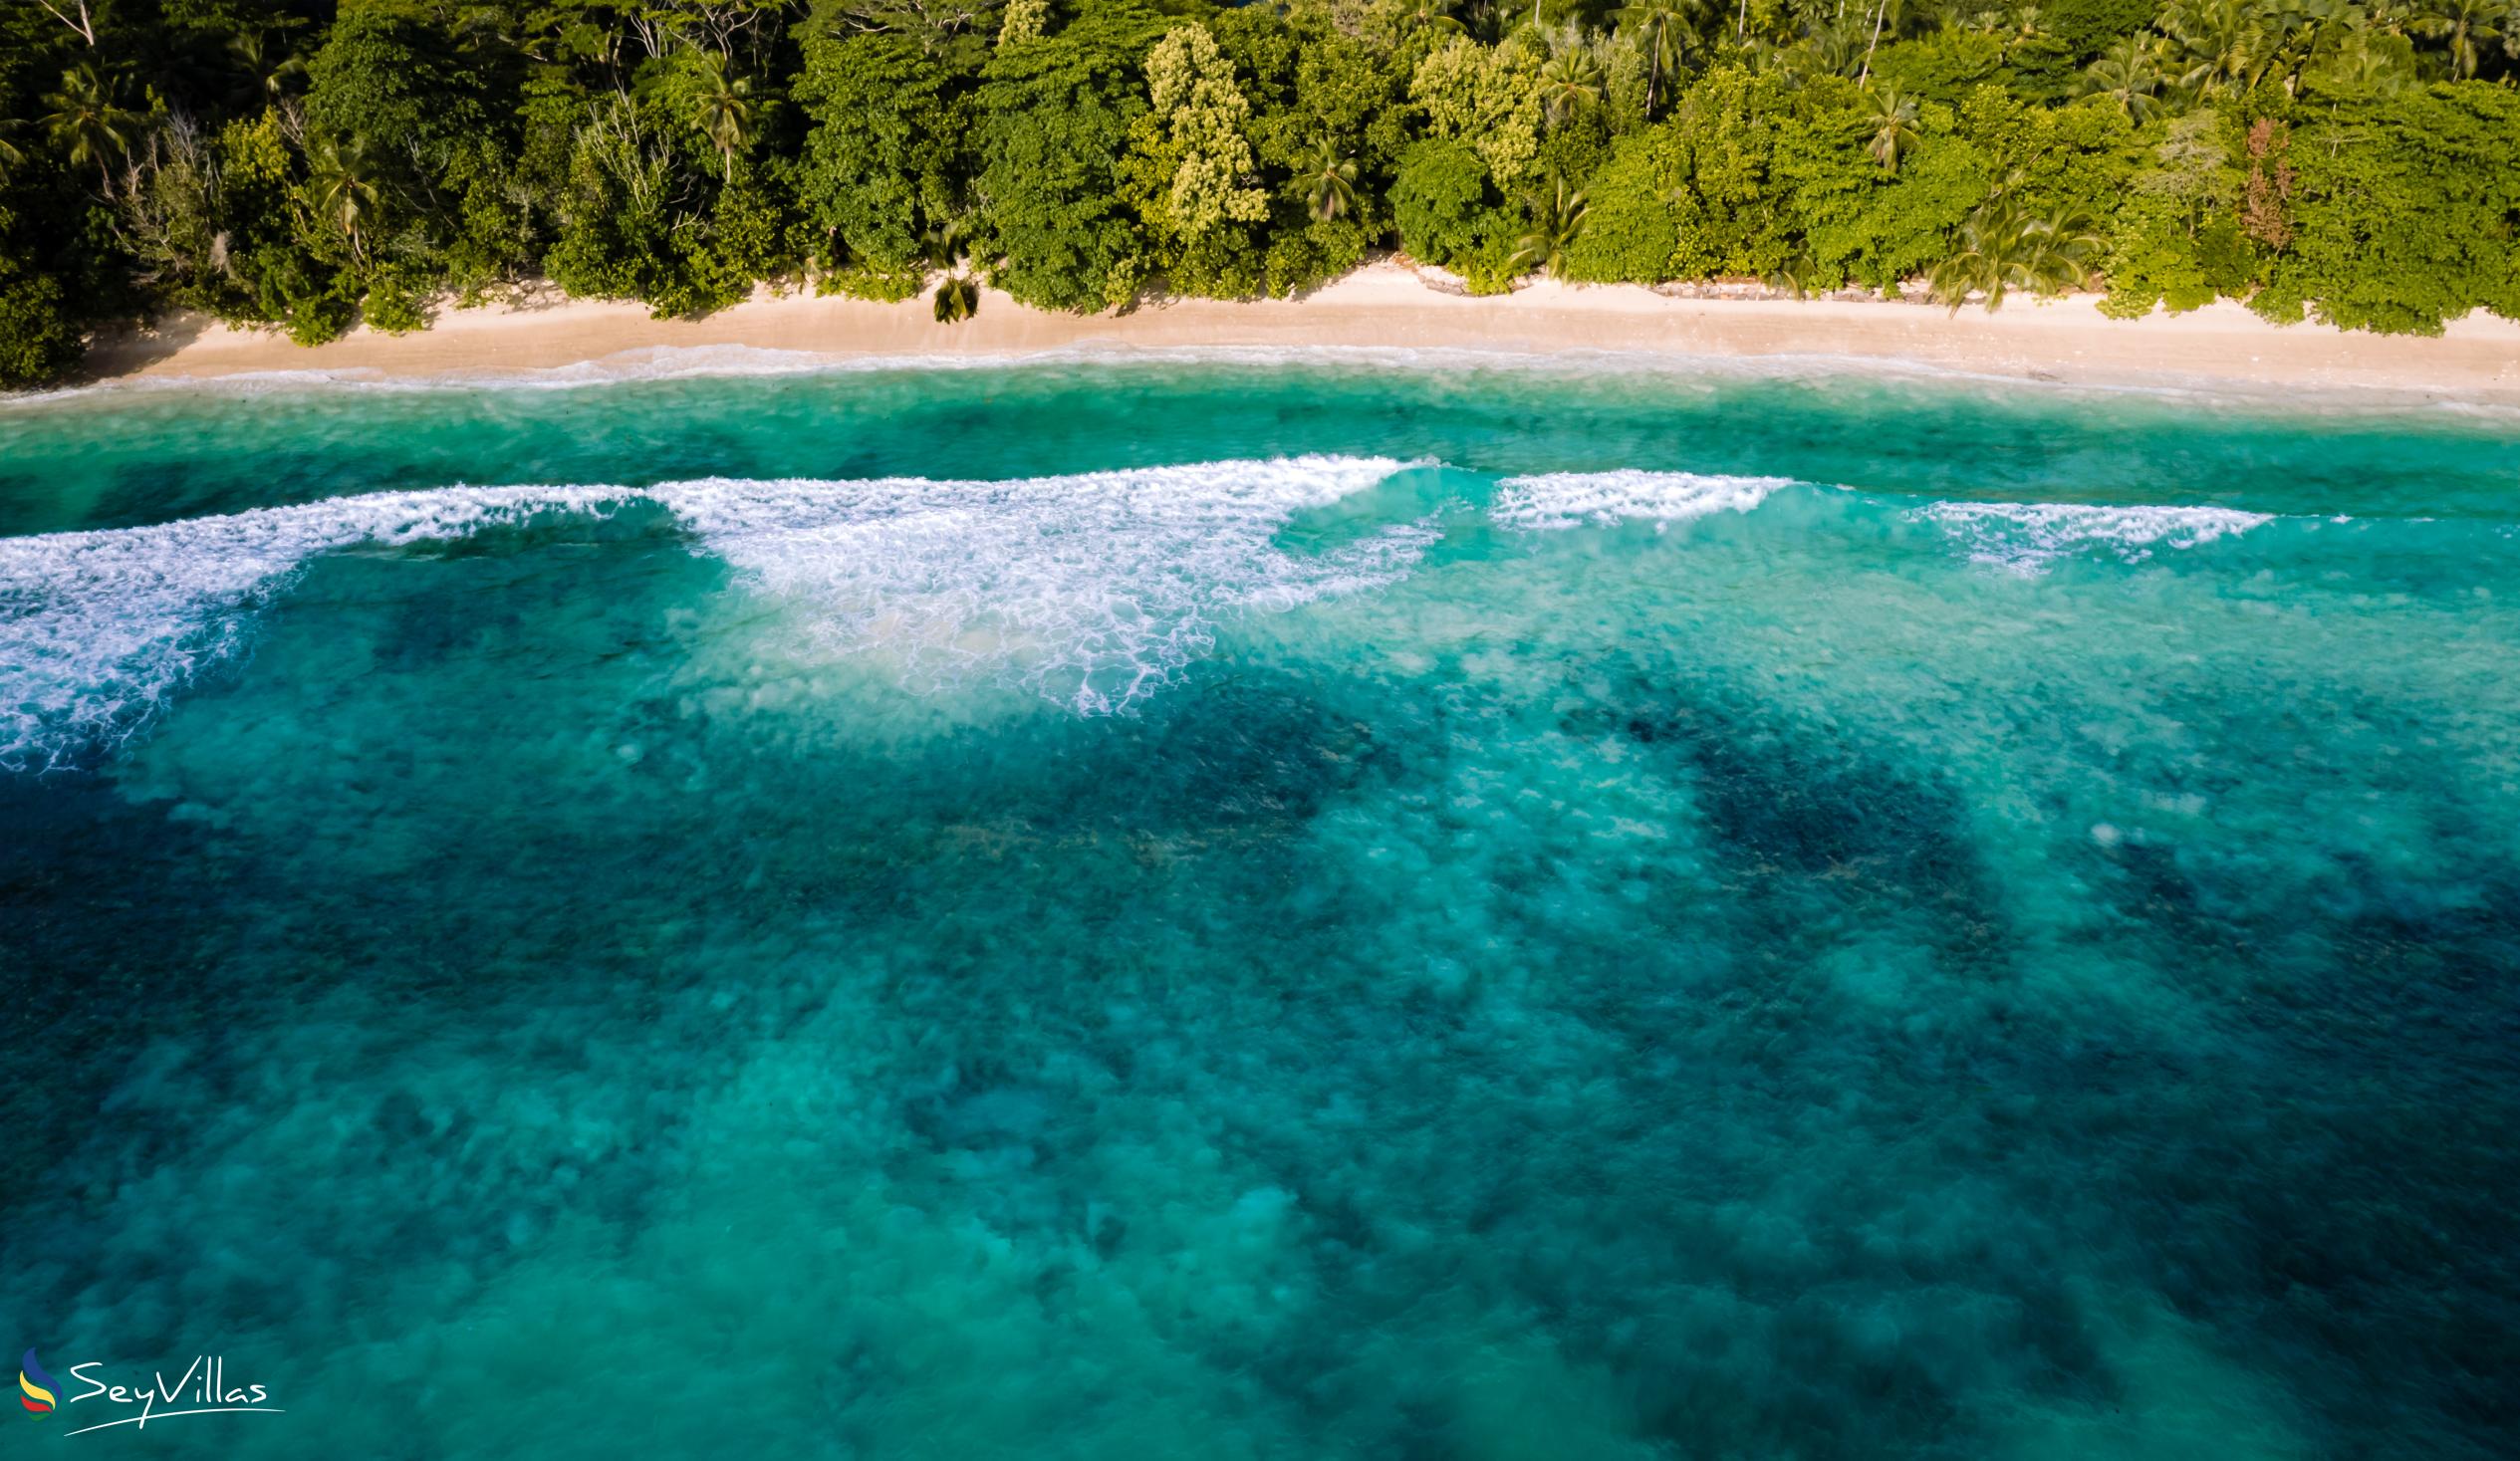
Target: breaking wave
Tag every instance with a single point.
(2026, 536)
(1559, 500)
(1089, 589)
(98, 629)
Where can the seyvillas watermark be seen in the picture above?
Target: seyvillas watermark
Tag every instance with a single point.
(205, 1388)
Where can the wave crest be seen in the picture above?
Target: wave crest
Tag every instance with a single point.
(2025, 537)
(1091, 588)
(1560, 500)
(98, 629)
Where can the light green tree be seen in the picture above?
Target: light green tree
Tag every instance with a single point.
(1025, 20)
(1487, 97)
(1203, 117)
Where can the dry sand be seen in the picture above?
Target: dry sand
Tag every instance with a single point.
(1390, 307)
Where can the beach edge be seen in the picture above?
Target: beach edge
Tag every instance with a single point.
(1386, 307)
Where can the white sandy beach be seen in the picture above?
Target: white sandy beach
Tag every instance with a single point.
(1387, 306)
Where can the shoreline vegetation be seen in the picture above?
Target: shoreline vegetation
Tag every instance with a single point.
(1385, 306)
(320, 167)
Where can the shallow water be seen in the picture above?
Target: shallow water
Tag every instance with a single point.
(1201, 910)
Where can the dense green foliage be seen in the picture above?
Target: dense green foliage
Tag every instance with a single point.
(310, 165)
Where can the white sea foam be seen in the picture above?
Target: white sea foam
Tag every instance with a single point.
(97, 629)
(1573, 499)
(1091, 588)
(676, 362)
(2025, 537)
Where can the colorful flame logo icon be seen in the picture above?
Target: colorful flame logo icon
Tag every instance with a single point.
(35, 1384)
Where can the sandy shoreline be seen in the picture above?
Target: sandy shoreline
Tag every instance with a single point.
(1385, 305)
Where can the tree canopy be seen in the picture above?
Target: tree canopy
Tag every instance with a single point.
(308, 164)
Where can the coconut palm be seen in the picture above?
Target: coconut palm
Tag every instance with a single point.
(1571, 83)
(1826, 47)
(2217, 43)
(948, 247)
(1662, 28)
(2003, 247)
(1792, 275)
(2358, 60)
(1334, 179)
(2463, 26)
(1891, 123)
(723, 108)
(86, 123)
(1434, 14)
(1880, 17)
(342, 187)
(2123, 74)
(957, 300)
(265, 66)
(1557, 221)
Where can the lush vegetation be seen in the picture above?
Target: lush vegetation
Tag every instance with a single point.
(309, 164)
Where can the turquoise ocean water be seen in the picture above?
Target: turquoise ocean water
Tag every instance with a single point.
(1231, 909)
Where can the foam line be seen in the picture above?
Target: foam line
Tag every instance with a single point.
(2026, 536)
(1090, 588)
(1560, 500)
(98, 629)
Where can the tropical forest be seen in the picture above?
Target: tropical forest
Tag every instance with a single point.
(311, 167)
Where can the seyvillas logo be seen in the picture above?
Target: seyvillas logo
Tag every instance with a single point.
(35, 1387)
(205, 1388)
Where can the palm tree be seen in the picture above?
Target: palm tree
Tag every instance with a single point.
(269, 72)
(1661, 27)
(1793, 274)
(2461, 25)
(2123, 74)
(1433, 15)
(1880, 17)
(2356, 62)
(342, 184)
(1824, 50)
(724, 107)
(948, 247)
(957, 300)
(1892, 125)
(1333, 183)
(87, 122)
(2222, 42)
(1570, 83)
(2003, 248)
(1557, 221)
